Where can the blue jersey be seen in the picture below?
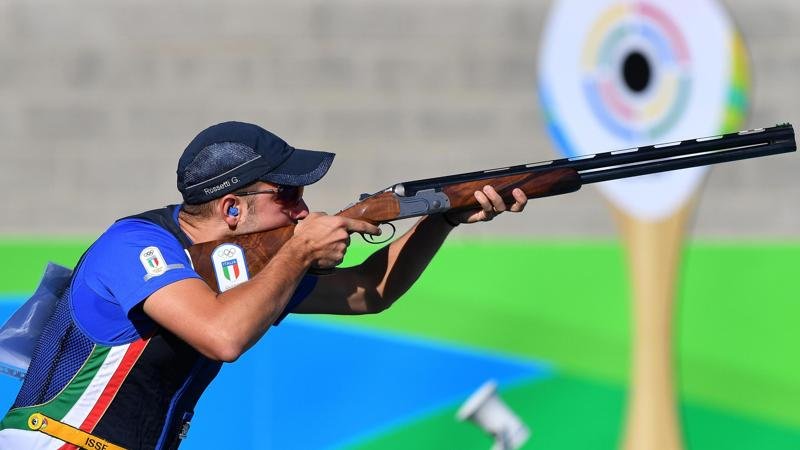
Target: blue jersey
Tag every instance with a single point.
(101, 365)
(131, 260)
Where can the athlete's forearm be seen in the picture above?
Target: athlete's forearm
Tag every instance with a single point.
(392, 270)
(252, 307)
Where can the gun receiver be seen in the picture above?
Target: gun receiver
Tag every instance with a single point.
(542, 179)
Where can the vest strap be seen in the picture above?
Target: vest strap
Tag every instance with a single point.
(68, 433)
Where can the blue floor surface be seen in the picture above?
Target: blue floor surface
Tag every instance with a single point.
(311, 385)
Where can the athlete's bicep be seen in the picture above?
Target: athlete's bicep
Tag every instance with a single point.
(187, 308)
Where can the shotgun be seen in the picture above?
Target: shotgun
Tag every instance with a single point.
(231, 261)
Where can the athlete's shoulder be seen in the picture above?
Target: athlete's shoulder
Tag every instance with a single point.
(130, 239)
(137, 231)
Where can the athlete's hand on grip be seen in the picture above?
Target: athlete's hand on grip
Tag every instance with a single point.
(326, 238)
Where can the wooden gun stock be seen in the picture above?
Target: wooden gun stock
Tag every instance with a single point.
(258, 249)
(534, 184)
(388, 205)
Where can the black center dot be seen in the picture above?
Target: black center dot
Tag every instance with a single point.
(636, 71)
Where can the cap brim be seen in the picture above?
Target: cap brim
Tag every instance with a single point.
(301, 168)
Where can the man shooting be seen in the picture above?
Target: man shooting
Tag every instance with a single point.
(138, 335)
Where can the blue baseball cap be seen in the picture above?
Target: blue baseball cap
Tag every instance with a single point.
(231, 155)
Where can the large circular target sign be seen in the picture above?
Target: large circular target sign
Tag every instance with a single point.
(618, 74)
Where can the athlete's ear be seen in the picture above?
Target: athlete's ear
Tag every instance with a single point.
(229, 208)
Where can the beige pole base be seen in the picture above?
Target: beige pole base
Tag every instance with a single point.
(654, 250)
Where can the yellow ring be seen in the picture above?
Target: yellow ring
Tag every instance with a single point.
(37, 421)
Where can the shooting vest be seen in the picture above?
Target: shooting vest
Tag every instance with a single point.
(139, 395)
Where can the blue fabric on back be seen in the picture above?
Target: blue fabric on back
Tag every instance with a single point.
(59, 345)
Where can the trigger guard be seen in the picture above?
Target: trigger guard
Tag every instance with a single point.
(371, 239)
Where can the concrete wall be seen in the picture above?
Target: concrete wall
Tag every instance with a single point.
(99, 99)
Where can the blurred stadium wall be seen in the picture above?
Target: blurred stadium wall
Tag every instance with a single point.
(100, 98)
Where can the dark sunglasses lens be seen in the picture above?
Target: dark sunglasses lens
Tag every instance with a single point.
(290, 195)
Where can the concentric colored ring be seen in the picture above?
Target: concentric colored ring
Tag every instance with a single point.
(615, 74)
(646, 32)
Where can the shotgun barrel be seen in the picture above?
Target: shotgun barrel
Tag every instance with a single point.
(637, 161)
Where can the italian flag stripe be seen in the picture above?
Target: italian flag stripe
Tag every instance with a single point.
(11, 438)
(132, 354)
(81, 402)
(57, 408)
(69, 447)
(86, 396)
(66, 399)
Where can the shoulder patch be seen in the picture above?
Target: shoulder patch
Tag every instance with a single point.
(230, 266)
(153, 261)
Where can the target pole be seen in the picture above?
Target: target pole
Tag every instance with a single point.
(654, 253)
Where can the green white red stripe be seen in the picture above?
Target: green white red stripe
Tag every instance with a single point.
(81, 403)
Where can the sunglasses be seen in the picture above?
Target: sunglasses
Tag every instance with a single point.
(285, 195)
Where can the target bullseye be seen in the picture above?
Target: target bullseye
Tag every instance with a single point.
(636, 71)
(618, 74)
(636, 78)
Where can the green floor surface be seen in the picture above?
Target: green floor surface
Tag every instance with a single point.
(569, 413)
(566, 302)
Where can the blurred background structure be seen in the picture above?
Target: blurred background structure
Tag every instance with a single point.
(100, 98)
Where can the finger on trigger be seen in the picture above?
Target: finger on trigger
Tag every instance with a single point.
(360, 226)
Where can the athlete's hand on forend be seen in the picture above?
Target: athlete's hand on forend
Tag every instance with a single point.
(491, 205)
